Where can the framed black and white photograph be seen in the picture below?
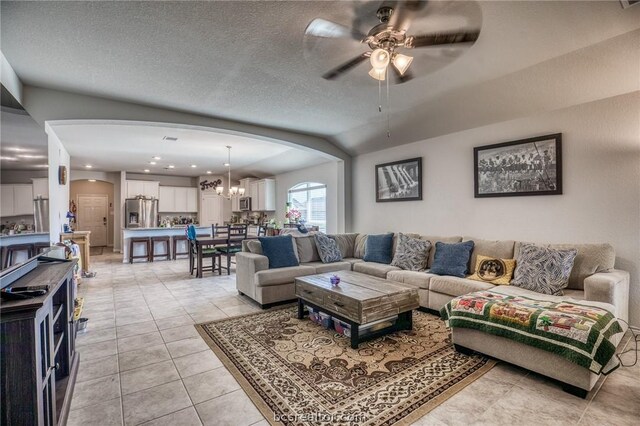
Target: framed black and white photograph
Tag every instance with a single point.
(524, 167)
(399, 181)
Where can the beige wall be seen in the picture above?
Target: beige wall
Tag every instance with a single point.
(84, 187)
(601, 176)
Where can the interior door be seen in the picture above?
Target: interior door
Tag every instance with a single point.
(212, 210)
(92, 216)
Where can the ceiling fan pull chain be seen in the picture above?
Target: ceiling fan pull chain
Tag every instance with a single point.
(379, 96)
(388, 109)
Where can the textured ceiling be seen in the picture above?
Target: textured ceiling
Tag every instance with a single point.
(115, 147)
(249, 61)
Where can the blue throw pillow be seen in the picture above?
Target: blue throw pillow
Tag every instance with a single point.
(378, 248)
(452, 259)
(279, 250)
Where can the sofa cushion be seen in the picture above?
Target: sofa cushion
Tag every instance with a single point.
(411, 253)
(590, 259)
(322, 268)
(493, 270)
(346, 243)
(542, 269)
(499, 249)
(328, 249)
(454, 286)
(379, 270)
(307, 250)
(416, 278)
(279, 250)
(254, 246)
(360, 246)
(452, 258)
(352, 260)
(433, 239)
(379, 248)
(282, 275)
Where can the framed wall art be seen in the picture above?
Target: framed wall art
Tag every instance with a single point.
(530, 166)
(399, 181)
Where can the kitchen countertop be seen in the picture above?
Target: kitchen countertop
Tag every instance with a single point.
(173, 228)
(24, 234)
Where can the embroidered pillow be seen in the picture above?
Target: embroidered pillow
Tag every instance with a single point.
(411, 253)
(327, 249)
(543, 270)
(452, 259)
(378, 248)
(279, 251)
(493, 270)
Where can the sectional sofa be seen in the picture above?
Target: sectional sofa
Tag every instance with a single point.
(593, 278)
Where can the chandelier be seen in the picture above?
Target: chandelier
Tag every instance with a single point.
(233, 190)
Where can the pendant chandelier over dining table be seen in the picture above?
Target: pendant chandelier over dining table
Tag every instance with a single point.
(233, 190)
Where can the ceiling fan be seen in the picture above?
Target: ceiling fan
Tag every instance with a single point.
(387, 39)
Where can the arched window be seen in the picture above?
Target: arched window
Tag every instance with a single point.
(310, 198)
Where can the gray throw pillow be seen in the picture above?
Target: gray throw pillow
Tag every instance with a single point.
(411, 253)
(327, 249)
(543, 270)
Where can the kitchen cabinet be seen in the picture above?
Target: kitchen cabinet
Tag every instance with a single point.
(253, 193)
(263, 195)
(175, 199)
(40, 187)
(212, 209)
(142, 187)
(17, 200)
(235, 203)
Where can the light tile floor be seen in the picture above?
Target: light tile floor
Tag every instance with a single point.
(142, 362)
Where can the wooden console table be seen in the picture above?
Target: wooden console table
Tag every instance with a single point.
(83, 239)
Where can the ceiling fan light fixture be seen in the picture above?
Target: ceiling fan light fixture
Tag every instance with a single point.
(378, 75)
(402, 62)
(380, 59)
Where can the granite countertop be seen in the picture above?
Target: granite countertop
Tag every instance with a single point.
(23, 234)
(166, 228)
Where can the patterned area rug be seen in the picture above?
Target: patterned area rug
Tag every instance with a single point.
(298, 373)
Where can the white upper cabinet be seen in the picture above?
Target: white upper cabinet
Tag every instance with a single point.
(40, 187)
(142, 187)
(176, 199)
(16, 199)
(266, 195)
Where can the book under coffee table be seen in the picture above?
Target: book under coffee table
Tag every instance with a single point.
(358, 299)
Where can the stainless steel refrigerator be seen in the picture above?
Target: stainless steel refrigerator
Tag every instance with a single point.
(141, 212)
(41, 214)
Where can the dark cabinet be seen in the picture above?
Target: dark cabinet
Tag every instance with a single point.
(38, 361)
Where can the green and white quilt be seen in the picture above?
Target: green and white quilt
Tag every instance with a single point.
(576, 331)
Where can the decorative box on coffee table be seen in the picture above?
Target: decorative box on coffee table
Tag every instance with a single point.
(358, 299)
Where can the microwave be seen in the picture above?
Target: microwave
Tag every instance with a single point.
(245, 204)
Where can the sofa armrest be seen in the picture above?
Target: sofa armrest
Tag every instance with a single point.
(610, 287)
(247, 264)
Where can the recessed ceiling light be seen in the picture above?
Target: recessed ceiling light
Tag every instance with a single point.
(193, 166)
(92, 180)
(4, 157)
(88, 166)
(226, 164)
(208, 172)
(153, 163)
(171, 166)
(157, 158)
(147, 170)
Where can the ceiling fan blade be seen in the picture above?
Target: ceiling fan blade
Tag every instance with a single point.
(408, 75)
(322, 28)
(427, 40)
(347, 66)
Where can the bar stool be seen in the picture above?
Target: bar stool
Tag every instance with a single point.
(140, 240)
(40, 247)
(176, 239)
(166, 241)
(15, 248)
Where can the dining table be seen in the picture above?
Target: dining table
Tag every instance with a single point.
(211, 241)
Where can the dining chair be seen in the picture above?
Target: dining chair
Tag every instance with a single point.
(207, 252)
(235, 235)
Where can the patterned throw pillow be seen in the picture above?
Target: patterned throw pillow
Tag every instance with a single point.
(543, 270)
(494, 271)
(327, 249)
(411, 253)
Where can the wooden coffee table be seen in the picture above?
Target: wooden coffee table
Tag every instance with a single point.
(358, 299)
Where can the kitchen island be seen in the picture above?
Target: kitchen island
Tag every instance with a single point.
(172, 232)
